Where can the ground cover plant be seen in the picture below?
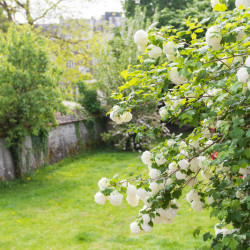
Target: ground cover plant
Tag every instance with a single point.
(54, 209)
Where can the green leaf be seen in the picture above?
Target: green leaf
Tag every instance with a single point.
(237, 133)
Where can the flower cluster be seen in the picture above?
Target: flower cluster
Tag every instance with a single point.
(120, 118)
(203, 83)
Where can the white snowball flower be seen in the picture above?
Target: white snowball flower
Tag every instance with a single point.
(171, 57)
(141, 38)
(246, 3)
(206, 133)
(163, 111)
(238, 194)
(201, 159)
(206, 174)
(195, 144)
(175, 77)
(154, 51)
(172, 166)
(223, 231)
(197, 205)
(146, 228)
(182, 145)
(242, 75)
(194, 165)
(183, 164)
(171, 142)
(134, 227)
(131, 190)
(183, 152)
(155, 187)
(168, 48)
(142, 193)
(120, 118)
(133, 200)
(145, 218)
(103, 183)
(100, 198)
(209, 142)
(127, 117)
(154, 173)
(241, 33)
(213, 37)
(180, 175)
(160, 160)
(247, 62)
(214, 2)
(147, 158)
(192, 196)
(210, 199)
(115, 198)
(244, 171)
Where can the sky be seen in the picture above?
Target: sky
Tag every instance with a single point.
(75, 9)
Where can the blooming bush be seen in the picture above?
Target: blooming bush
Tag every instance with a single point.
(204, 83)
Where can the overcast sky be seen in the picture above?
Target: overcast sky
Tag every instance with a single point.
(75, 9)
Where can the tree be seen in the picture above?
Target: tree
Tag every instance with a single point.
(29, 90)
(3, 21)
(205, 83)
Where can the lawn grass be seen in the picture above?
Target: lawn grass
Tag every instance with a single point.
(55, 209)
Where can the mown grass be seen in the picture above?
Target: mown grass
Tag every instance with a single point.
(55, 209)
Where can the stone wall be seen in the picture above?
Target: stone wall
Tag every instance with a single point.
(67, 139)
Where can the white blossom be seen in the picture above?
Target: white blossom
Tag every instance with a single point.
(171, 142)
(146, 228)
(223, 231)
(201, 159)
(115, 198)
(194, 144)
(195, 165)
(145, 218)
(209, 142)
(131, 190)
(154, 51)
(134, 227)
(172, 166)
(247, 62)
(133, 200)
(241, 33)
(100, 198)
(103, 183)
(238, 194)
(120, 118)
(168, 49)
(154, 173)
(155, 187)
(214, 2)
(193, 181)
(142, 193)
(160, 160)
(246, 3)
(244, 171)
(175, 77)
(192, 196)
(163, 111)
(180, 175)
(210, 199)
(183, 164)
(182, 145)
(213, 37)
(141, 38)
(184, 152)
(147, 158)
(242, 75)
(197, 205)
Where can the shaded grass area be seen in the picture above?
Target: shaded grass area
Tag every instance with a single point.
(55, 209)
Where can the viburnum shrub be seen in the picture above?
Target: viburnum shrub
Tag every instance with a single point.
(204, 83)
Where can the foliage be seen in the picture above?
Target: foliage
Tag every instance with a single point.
(3, 21)
(59, 198)
(114, 53)
(89, 99)
(204, 83)
(29, 91)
